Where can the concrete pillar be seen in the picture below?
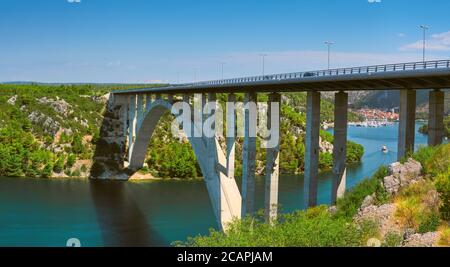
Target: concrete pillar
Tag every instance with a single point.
(140, 110)
(340, 145)
(231, 136)
(211, 141)
(158, 96)
(436, 118)
(131, 125)
(249, 157)
(199, 103)
(148, 102)
(312, 148)
(123, 102)
(406, 130)
(170, 98)
(272, 162)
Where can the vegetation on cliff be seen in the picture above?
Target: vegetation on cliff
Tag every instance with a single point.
(415, 216)
(54, 130)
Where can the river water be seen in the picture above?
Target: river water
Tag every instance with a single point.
(40, 212)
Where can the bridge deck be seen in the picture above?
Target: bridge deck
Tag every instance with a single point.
(416, 75)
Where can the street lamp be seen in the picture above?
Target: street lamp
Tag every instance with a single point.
(222, 64)
(329, 44)
(424, 28)
(263, 63)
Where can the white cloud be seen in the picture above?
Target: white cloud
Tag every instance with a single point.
(74, 1)
(438, 42)
(114, 64)
(374, 1)
(401, 35)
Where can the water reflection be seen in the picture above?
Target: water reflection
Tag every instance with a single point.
(120, 219)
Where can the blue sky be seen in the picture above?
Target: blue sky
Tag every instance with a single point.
(151, 41)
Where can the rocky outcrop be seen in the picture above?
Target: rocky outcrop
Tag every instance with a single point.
(12, 100)
(60, 106)
(325, 147)
(382, 215)
(422, 240)
(402, 175)
(49, 125)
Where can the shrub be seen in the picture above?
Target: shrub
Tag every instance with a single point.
(439, 162)
(443, 187)
(47, 171)
(423, 155)
(392, 240)
(430, 223)
(59, 165)
(444, 238)
(76, 173)
(355, 152)
(418, 207)
(348, 205)
(71, 159)
(312, 228)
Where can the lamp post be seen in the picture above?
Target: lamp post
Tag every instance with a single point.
(222, 64)
(329, 44)
(424, 28)
(263, 63)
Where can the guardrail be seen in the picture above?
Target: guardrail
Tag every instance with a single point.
(438, 64)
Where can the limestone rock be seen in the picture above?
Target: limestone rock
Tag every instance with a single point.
(402, 175)
(368, 201)
(332, 210)
(12, 100)
(60, 106)
(422, 240)
(382, 215)
(325, 147)
(49, 125)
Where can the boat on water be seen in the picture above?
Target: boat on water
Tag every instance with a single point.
(384, 149)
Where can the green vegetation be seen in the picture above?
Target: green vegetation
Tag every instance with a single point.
(42, 127)
(418, 207)
(348, 206)
(59, 126)
(312, 228)
(424, 128)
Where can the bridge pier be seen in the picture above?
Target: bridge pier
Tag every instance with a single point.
(131, 124)
(249, 155)
(406, 130)
(340, 145)
(140, 110)
(312, 148)
(231, 135)
(272, 160)
(436, 118)
(148, 102)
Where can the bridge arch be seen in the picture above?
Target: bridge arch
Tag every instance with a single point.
(223, 192)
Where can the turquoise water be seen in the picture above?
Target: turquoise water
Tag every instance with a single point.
(39, 212)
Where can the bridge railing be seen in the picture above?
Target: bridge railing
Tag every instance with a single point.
(437, 64)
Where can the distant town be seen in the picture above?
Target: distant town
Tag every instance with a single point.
(378, 115)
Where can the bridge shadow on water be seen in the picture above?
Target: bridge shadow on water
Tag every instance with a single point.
(119, 217)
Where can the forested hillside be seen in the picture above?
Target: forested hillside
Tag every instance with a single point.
(53, 131)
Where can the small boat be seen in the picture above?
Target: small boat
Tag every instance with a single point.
(384, 149)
